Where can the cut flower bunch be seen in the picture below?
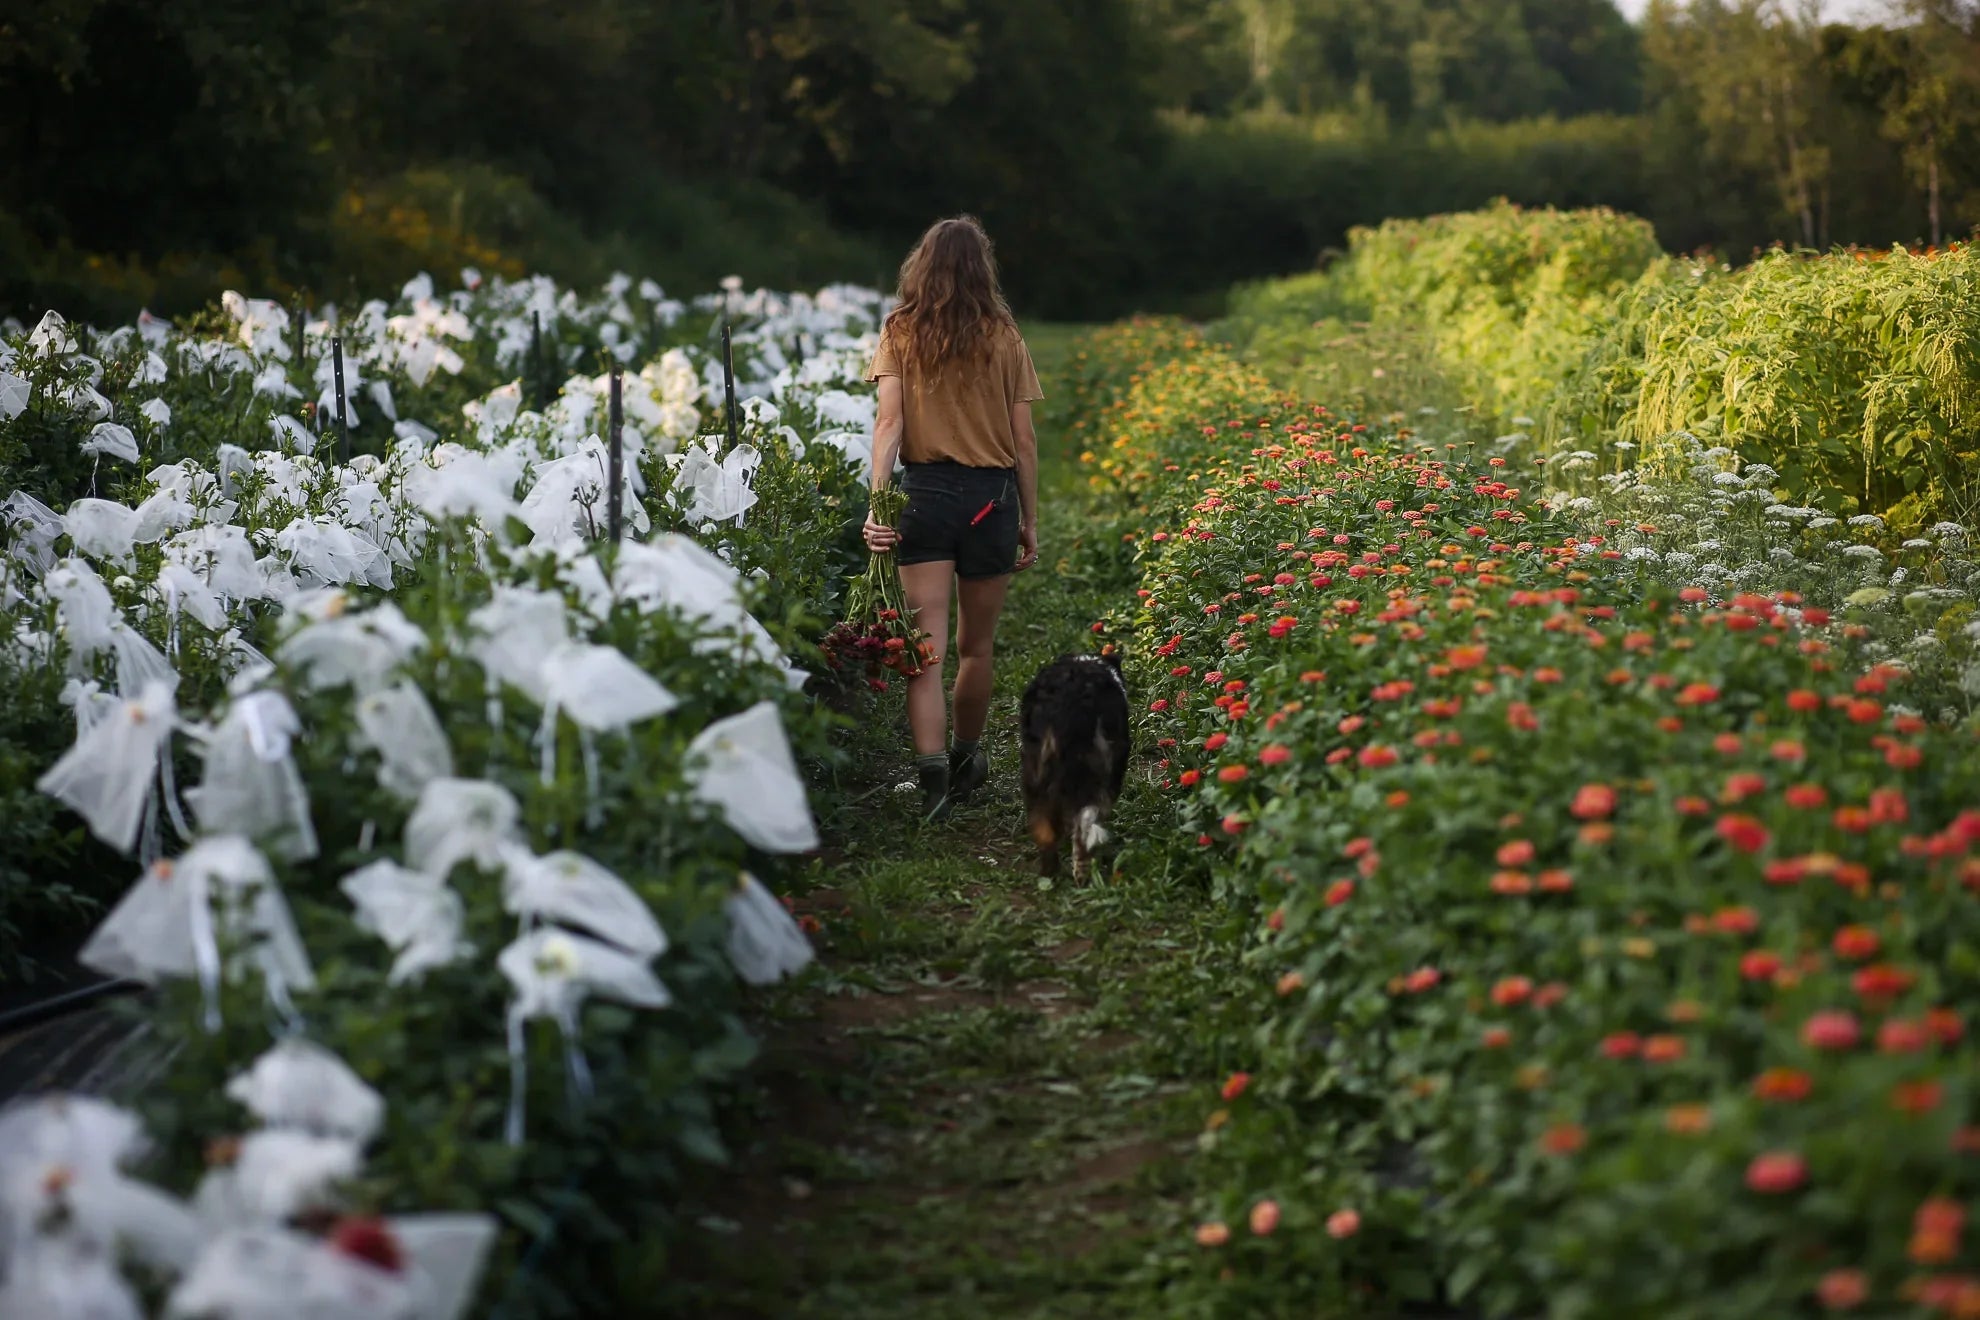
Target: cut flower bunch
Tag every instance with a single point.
(1614, 938)
(443, 815)
(878, 630)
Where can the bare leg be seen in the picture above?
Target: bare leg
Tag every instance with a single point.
(980, 601)
(927, 589)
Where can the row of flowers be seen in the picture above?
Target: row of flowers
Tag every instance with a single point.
(446, 811)
(1614, 933)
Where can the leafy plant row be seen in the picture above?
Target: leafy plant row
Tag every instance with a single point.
(444, 814)
(1855, 376)
(1616, 948)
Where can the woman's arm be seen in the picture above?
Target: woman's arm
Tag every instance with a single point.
(888, 424)
(1027, 467)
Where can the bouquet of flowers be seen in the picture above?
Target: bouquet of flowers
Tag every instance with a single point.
(877, 630)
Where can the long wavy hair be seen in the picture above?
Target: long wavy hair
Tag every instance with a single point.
(948, 307)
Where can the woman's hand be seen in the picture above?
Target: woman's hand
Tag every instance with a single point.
(880, 538)
(1027, 546)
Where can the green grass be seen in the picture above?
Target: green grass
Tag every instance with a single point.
(983, 1102)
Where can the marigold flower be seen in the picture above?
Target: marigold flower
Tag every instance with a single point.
(1216, 741)
(1511, 991)
(1343, 1224)
(1495, 1038)
(1212, 1234)
(1235, 1085)
(1555, 881)
(1944, 1024)
(1804, 702)
(1376, 756)
(1759, 964)
(1807, 797)
(1339, 892)
(1264, 1218)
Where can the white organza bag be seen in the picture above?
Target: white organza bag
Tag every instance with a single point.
(106, 777)
(66, 1277)
(271, 1273)
(601, 690)
(399, 724)
(747, 771)
(275, 1173)
(181, 590)
(169, 923)
(83, 608)
(361, 650)
(102, 529)
(460, 820)
(300, 1085)
(90, 702)
(61, 1166)
(109, 440)
(417, 915)
(34, 528)
(515, 633)
(765, 943)
(552, 973)
(571, 888)
(251, 785)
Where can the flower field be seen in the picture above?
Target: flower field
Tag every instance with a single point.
(434, 817)
(1615, 936)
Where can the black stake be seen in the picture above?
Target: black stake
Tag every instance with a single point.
(729, 381)
(536, 359)
(343, 419)
(615, 468)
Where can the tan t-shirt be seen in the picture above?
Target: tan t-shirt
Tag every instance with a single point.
(965, 416)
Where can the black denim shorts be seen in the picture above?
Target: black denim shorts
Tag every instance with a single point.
(966, 514)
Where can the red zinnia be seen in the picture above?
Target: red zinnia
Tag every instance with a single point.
(1776, 1172)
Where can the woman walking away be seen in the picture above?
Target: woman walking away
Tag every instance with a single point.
(956, 389)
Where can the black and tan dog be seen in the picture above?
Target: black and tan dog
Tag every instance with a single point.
(1074, 722)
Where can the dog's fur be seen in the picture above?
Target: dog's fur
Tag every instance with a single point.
(1074, 721)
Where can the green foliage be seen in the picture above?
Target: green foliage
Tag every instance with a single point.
(1550, 866)
(1854, 377)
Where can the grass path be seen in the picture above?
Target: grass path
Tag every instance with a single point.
(982, 1104)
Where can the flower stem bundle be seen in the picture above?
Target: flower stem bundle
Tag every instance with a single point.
(878, 630)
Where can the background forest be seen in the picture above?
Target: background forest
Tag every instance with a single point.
(1125, 153)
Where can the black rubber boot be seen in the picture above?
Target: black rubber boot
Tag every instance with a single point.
(969, 770)
(935, 799)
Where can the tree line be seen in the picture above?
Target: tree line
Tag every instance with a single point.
(1123, 152)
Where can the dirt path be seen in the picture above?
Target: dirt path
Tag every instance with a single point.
(983, 1103)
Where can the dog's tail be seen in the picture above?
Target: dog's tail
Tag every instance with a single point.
(1091, 833)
